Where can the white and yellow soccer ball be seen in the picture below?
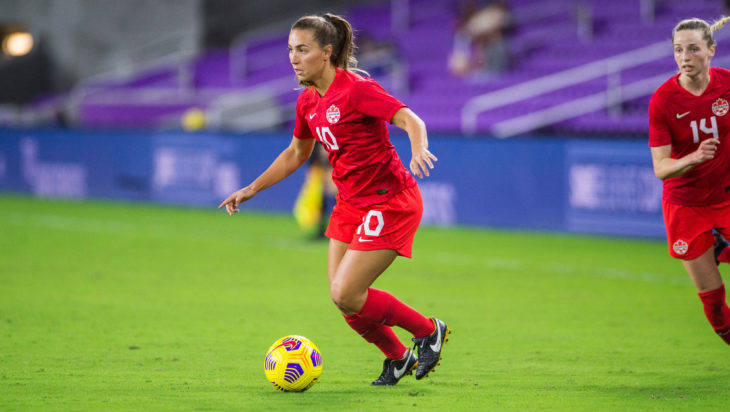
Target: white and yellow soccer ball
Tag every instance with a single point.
(293, 364)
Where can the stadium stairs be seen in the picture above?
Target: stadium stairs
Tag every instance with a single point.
(584, 76)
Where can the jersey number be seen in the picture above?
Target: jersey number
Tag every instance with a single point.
(327, 138)
(703, 126)
(368, 225)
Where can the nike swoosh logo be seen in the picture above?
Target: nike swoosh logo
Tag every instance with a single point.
(679, 116)
(436, 347)
(399, 372)
(359, 239)
(314, 114)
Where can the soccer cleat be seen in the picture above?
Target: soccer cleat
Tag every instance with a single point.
(720, 245)
(429, 348)
(393, 370)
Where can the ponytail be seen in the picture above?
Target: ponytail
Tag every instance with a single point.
(343, 49)
(719, 24)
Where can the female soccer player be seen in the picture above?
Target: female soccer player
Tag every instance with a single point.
(378, 205)
(689, 128)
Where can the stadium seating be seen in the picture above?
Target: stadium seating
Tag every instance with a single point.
(545, 40)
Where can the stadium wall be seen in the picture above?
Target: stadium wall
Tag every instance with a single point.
(574, 185)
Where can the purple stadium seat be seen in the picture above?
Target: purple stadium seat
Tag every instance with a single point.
(544, 41)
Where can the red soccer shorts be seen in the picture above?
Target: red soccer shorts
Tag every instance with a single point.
(388, 225)
(689, 228)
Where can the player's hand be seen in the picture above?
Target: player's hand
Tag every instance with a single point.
(706, 151)
(421, 162)
(236, 198)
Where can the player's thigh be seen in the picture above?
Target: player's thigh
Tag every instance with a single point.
(337, 250)
(358, 269)
(703, 271)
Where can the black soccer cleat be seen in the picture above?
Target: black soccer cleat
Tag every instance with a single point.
(429, 348)
(719, 246)
(394, 370)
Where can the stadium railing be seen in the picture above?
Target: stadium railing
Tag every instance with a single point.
(615, 93)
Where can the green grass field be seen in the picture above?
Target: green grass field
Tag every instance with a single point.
(108, 306)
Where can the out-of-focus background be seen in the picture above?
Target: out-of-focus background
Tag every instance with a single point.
(537, 109)
(123, 124)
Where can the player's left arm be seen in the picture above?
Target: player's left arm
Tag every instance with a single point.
(421, 159)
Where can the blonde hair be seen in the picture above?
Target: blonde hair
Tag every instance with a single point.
(703, 26)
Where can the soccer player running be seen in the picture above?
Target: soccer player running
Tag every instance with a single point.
(689, 127)
(378, 206)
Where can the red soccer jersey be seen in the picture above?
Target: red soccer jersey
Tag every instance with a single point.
(683, 120)
(350, 122)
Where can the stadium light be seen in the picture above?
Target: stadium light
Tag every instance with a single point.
(17, 43)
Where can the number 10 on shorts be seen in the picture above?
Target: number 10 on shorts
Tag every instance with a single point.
(367, 223)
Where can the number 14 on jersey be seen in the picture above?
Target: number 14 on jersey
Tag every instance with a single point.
(703, 126)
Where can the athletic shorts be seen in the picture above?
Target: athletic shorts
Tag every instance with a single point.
(689, 228)
(388, 225)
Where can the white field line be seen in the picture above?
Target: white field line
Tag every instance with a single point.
(120, 228)
(558, 268)
(110, 227)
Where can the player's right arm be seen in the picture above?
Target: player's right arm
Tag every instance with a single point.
(666, 167)
(285, 164)
(661, 136)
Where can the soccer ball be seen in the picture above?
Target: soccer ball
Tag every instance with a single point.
(293, 364)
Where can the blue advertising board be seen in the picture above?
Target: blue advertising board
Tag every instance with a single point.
(612, 189)
(588, 186)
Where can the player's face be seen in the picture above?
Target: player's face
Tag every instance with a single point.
(306, 56)
(691, 52)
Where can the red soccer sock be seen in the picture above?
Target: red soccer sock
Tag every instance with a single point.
(380, 335)
(384, 308)
(717, 311)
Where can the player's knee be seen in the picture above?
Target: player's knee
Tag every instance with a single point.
(337, 294)
(345, 300)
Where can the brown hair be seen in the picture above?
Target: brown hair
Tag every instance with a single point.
(334, 30)
(703, 26)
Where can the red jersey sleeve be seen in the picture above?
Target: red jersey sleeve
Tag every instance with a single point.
(370, 99)
(659, 129)
(301, 128)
